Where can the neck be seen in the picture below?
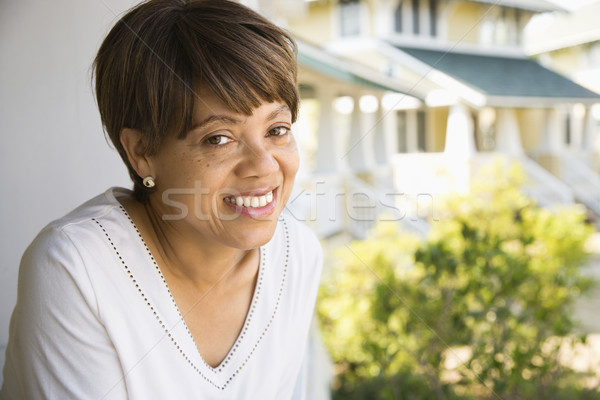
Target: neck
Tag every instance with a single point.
(191, 256)
(185, 254)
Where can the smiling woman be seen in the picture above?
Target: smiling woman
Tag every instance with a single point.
(194, 284)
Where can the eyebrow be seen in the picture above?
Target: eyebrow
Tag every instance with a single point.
(215, 118)
(231, 120)
(279, 110)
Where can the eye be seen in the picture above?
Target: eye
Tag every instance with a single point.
(279, 131)
(218, 140)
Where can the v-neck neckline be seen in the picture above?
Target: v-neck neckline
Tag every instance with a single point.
(246, 341)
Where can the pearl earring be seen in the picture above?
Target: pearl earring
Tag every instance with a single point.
(149, 182)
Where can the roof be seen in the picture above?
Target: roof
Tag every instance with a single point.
(316, 59)
(530, 5)
(566, 30)
(504, 77)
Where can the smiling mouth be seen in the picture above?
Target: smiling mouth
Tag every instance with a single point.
(251, 201)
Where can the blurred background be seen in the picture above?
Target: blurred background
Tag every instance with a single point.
(450, 165)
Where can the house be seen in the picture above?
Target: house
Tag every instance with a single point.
(569, 43)
(340, 189)
(459, 92)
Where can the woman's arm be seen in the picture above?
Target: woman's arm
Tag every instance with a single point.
(58, 348)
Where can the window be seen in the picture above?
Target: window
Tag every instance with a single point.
(485, 137)
(502, 27)
(421, 17)
(416, 20)
(402, 132)
(350, 17)
(501, 33)
(518, 27)
(398, 15)
(486, 31)
(568, 133)
(433, 9)
(593, 55)
(411, 130)
(512, 17)
(421, 132)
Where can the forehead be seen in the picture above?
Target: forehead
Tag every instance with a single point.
(208, 108)
(207, 103)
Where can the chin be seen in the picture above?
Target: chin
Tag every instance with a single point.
(257, 237)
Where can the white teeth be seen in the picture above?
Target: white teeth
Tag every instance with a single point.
(251, 201)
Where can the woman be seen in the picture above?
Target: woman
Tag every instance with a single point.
(193, 285)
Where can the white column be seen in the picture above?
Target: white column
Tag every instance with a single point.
(369, 127)
(460, 133)
(390, 132)
(327, 154)
(360, 151)
(577, 126)
(590, 134)
(508, 136)
(355, 157)
(380, 144)
(553, 135)
(444, 10)
(553, 142)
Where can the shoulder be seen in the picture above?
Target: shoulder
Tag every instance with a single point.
(80, 219)
(97, 207)
(57, 248)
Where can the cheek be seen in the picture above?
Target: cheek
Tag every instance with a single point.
(177, 168)
(291, 161)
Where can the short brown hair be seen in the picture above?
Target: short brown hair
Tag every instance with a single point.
(148, 67)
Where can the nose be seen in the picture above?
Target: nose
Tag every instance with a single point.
(257, 161)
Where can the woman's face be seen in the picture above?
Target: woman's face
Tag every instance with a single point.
(229, 179)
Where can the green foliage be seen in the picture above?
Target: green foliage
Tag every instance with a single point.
(471, 313)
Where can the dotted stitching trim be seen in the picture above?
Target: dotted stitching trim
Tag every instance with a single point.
(158, 319)
(250, 312)
(248, 319)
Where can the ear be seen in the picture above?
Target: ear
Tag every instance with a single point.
(133, 142)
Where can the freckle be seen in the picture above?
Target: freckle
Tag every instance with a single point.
(207, 165)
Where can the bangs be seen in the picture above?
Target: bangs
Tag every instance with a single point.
(243, 63)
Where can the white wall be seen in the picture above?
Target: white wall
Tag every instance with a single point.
(53, 155)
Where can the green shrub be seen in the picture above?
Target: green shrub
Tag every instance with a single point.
(473, 312)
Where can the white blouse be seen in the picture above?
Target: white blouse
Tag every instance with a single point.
(95, 318)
